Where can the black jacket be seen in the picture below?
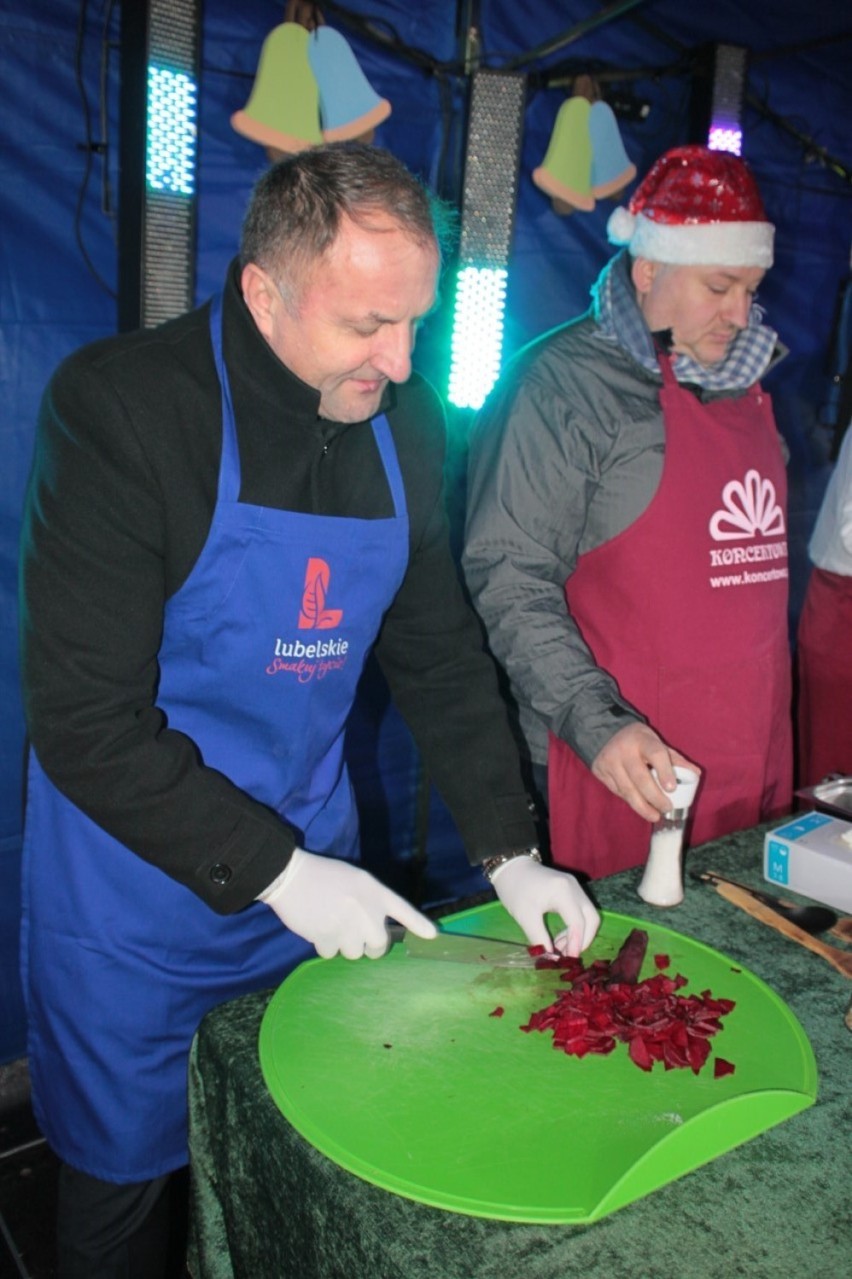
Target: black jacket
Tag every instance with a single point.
(119, 506)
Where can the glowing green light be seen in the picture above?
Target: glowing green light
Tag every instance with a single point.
(172, 132)
(477, 340)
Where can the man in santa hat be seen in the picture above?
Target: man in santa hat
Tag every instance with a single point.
(626, 543)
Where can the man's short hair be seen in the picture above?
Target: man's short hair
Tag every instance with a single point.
(297, 206)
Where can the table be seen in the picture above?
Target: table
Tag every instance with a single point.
(267, 1205)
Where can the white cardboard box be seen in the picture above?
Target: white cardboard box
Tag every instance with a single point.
(812, 855)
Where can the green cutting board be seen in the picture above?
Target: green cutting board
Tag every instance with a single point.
(396, 1070)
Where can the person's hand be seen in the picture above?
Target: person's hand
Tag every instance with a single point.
(340, 907)
(529, 891)
(624, 766)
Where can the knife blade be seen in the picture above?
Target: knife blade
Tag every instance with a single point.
(466, 948)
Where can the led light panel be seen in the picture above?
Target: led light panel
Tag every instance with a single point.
(492, 162)
(729, 78)
(160, 42)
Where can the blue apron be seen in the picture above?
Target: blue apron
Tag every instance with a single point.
(262, 650)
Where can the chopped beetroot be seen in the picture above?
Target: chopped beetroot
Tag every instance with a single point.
(565, 963)
(498, 1011)
(722, 1067)
(605, 1004)
(638, 1053)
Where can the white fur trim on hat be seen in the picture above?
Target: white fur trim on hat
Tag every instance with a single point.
(620, 226)
(694, 244)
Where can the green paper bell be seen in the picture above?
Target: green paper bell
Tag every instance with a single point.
(566, 171)
(283, 109)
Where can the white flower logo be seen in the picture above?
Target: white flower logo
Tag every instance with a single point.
(750, 508)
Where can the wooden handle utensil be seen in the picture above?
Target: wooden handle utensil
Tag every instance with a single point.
(839, 959)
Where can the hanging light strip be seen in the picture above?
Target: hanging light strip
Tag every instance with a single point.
(492, 166)
(160, 42)
(729, 79)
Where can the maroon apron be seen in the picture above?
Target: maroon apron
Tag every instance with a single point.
(824, 646)
(687, 610)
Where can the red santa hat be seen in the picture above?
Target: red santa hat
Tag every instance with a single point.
(696, 207)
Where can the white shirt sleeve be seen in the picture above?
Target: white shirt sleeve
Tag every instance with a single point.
(830, 547)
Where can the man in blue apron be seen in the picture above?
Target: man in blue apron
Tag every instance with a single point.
(226, 515)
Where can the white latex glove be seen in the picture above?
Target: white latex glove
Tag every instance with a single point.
(340, 907)
(529, 890)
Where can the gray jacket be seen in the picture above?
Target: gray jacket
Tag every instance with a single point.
(567, 453)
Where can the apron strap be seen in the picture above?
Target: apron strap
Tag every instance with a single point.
(390, 461)
(229, 470)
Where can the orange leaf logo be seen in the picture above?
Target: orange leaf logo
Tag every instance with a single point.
(313, 614)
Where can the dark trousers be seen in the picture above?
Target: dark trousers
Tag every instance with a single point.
(106, 1231)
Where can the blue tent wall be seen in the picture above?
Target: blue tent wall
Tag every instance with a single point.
(58, 268)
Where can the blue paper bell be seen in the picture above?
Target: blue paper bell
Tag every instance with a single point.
(349, 106)
(612, 168)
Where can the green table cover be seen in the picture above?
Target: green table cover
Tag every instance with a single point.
(267, 1205)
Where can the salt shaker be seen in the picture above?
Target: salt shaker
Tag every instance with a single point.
(662, 882)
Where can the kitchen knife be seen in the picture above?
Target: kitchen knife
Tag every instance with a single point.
(464, 948)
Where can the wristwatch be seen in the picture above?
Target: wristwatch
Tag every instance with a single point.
(492, 864)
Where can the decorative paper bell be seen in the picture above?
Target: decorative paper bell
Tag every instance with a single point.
(612, 168)
(565, 174)
(283, 109)
(349, 106)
